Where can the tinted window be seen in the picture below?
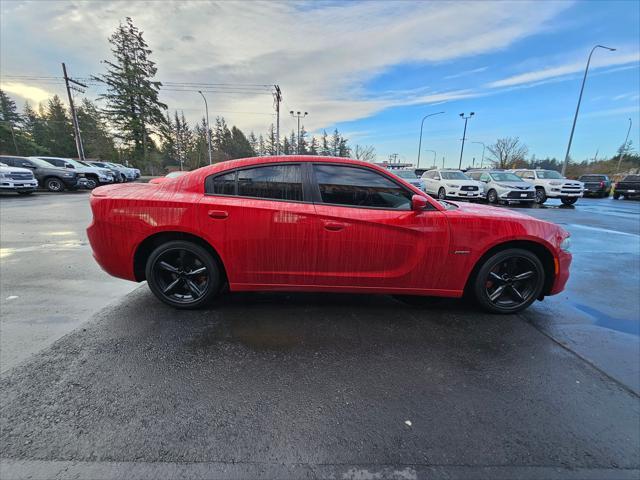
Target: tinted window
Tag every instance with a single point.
(453, 176)
(281, 182)
(631, 178)
(359, 187)
(505, 177)
(549, 174)
(223, 184)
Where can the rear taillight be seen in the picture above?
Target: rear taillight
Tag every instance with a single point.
(602, 184)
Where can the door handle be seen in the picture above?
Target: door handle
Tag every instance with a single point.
(219, 214)
(334, 226)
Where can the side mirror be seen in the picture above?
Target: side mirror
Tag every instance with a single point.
(418, 203)
(27, 165)
(68, 165)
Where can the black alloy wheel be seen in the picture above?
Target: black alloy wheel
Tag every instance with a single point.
(183, 274)
(492, 196)
(54, 184)
(541, 197)
(509, 281)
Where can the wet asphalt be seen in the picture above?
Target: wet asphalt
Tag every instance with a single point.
(318, 385)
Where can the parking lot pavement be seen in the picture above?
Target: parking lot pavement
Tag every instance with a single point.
(344, 386)
(49, 282)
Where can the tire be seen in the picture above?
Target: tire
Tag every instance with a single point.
(497, 276)
(123, 179)
(169, 276)
(442, 194)
(54, 184)
(616, 195)
(541, 196)
(492, 196)
(92, 183)
(568, 201)
(25, 192)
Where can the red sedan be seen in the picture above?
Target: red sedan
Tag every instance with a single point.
(302, 223)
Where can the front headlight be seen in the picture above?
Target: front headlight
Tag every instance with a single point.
(452, 186)
(502, 185)
(4, 175)
(565, 245)
(555, 183)
(67, 174)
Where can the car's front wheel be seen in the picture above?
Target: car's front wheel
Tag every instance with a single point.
(442, 193)
(509, 281)
(492, 196)
(54, 184)
(541, 196)
(568, 200)
(183, 274)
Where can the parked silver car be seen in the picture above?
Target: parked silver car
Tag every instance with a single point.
(504, 187)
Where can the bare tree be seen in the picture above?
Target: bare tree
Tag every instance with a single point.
(507, 152)
(366, 153)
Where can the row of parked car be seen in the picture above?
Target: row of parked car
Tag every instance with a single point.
(524, 186)
(25, 174)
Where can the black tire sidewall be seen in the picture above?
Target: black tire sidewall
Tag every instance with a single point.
(442, 197)
(48, 182)
(493, 193)
(542, 196)
(568, 201)
(205, 256)
(479, 290)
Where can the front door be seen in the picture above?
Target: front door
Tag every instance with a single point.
(368, 236)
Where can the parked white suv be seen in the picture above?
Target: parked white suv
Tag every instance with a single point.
(95, 176)
(551, 184)
(447, 183)
(20, 180)
(409, 175)
(499, 186)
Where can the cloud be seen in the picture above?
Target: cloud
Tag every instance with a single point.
(322, 55)
(27, 92)
(466, 73)
(535, 76)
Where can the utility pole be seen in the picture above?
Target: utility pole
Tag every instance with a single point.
(277, 98)
(443, 163)
(575, 117)
(74, 118)
(206, 108)
(623, 150)
(393, 158)
(298, 115)
(464, 135)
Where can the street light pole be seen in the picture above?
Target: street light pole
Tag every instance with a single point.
(483, 147)
(420, 142)
(434, 156)
(575, 117)
(206, 108)
(298, 115)
(464, 135)
(623, 150)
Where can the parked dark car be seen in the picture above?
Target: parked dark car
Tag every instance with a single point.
(596, 185)
(628, 187)
(52, 178)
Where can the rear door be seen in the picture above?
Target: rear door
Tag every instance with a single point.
(368, 236)
(263, 223)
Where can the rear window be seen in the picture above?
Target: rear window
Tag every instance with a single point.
(277, 182)
(593, 178)
(631, 178)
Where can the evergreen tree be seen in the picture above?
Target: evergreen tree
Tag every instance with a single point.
(271, 143)
(9, 122)
(240, 146)
(59, 139)
(293, 143)
(132, 102)
(313, 146)
(302, 141)
(286, 147)
(253, 141)
(97, 140)
(334, 144)
(262, 147)
(325, 149)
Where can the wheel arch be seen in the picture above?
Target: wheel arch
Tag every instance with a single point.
(150, 243)
(540, 250)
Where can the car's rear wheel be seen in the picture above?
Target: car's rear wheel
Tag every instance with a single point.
(492, 196)
(183, 274)
(616, 196)
(442, 193)
(541, 196)
(54, 184)
(568, 201)
(92, 183)
(509, 281)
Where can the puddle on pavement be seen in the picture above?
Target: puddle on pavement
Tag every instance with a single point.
(612, 323)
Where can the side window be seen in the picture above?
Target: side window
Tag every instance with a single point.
(223, 184)
(280, 182)
(485, 177)
(528, 175)
(342, 185)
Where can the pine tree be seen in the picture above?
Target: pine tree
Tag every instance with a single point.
(261, 146)
(34, 127)
(293, 143)
(97, 140)
(59, 139)
(302, 141)
(132, 103)
(313, 146)
(253, 141)
(240, 146)
(9, 121)
(286, 147)
(325, 149)
(271, 143)
(335, 142)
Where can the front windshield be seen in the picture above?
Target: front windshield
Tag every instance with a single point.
(454, 176)
(548, 174)
(505, 177)
(405, 174)
(42, 163)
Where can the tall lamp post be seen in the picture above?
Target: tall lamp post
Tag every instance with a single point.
(575, 117)
(623, 150)
(298, 115)
(464, 135)
(434, 156)
(422, 125)
(206, 108)
(483, 147)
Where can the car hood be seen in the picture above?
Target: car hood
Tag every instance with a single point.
(517, 185)
(15, 169)
(461, 182)
(488, 212)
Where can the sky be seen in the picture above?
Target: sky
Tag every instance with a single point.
(371, 69)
